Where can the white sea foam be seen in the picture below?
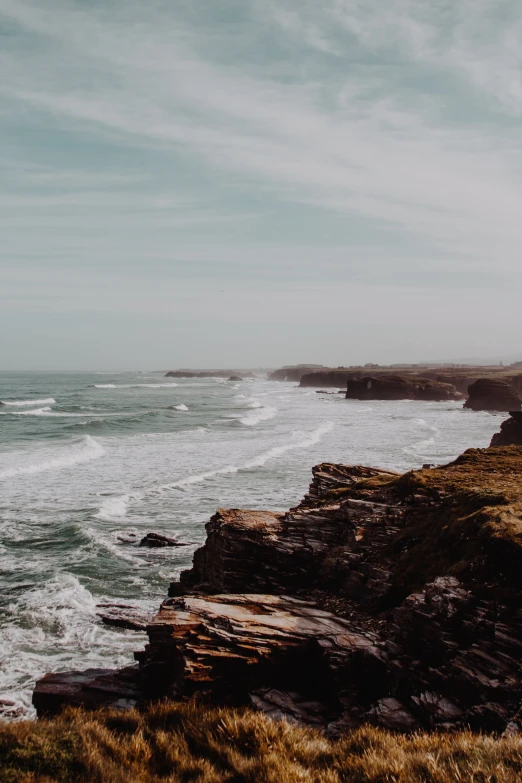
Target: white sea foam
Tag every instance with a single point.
(27, 403)
(35, 412)
(303, 443)
(54, 626)
(180, 407)
(263, 414)
(114, 508)
(56, 414)
(59, 458)
(134, 385)
(309, 440)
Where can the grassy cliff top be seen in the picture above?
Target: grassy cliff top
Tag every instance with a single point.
(184, 743)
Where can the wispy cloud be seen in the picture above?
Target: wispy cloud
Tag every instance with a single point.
(391, 130)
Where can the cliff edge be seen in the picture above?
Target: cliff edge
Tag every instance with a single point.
(381, 598)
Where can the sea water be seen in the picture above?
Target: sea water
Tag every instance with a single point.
(91, 462)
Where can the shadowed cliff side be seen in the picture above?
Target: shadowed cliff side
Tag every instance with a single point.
(382, 598)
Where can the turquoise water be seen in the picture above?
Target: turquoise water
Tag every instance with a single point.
(90, 462)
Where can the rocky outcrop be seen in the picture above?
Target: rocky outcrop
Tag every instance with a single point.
(208, 374)
(131, 618)
(330, 378)
(510, 431)
(488, 394)
(157, 540)
(293, 372)
(380, 598)
(398, 387)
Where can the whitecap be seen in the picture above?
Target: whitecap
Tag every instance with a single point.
(311, 439)
(263, 414)
(180, 407)
(134, 385)
(114, 508)
(26, 403)
(66, 457)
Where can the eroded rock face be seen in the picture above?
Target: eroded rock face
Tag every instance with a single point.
(397, 387)
(381, 598)
(510, 431)
(330, 378)
(492, 395)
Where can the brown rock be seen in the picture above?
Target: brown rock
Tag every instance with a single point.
(492, 395)
(510, 431)
(124, 616)
(90, 689)
(397, 387)
(380, 598)
(156, 540)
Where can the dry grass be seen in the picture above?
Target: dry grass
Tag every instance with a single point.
(193, 744)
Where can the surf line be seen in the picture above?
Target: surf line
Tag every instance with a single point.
(116, 507)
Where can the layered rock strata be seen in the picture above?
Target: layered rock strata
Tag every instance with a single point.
(487, 394)
(381, 598)
(397, 387)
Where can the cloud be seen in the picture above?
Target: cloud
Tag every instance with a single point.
(350, 140)
(349, 145)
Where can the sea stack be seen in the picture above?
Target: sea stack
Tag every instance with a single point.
(488, 394)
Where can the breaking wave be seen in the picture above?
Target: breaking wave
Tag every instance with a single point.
(68, 456)
(27, 403)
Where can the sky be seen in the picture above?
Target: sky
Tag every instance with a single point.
(192, 183)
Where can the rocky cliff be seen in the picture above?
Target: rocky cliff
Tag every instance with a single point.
(330, 378)
(397, 387)
(488, 394)
(293, 372)
(510, 431)
(381, 598)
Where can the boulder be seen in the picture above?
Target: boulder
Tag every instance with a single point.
(131, 618)
(510, 431)
(157, 540)
(90, 689)
(488, 394)
(235, 378)
(397, 387)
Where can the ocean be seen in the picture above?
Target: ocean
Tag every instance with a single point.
(91, 462)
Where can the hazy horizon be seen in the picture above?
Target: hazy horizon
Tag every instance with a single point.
(260, 183)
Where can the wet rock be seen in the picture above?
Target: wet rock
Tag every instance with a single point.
(157, 540)
(124, 616)
(90, 689)
(235, 378)
(488, 394)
